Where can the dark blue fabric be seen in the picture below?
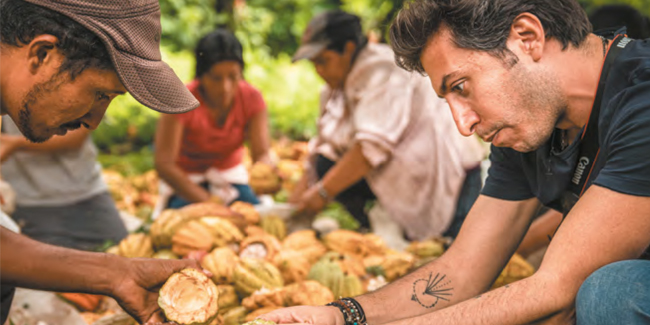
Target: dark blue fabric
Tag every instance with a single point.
(246, 194)
(623, 163)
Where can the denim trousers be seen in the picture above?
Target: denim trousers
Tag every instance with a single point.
(618, 293)
(246, 194)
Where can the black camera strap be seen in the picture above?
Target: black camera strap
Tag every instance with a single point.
(589, 145)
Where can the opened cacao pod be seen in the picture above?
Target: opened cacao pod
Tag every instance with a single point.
(189, 297)
(261, 246)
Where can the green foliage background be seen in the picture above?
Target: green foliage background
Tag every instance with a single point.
(270, 31)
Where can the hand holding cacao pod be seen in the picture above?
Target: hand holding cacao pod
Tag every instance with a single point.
(137, 289)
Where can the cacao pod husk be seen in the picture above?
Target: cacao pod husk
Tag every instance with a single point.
(235, 316)
(247, 210)
(275, 226)
(193, 236)
(136, 245)
(163, 228)
(251, 275)
(223, 231)
(227, 298)
(221, 263)
(305, 242)
(293, 265)
(516, 269)
(165, 254)
(264, 298)
(309, 293)
(212, 209)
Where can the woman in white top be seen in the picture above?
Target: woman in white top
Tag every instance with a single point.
(383, 133)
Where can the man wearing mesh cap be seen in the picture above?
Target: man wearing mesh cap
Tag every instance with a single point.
(62, 63)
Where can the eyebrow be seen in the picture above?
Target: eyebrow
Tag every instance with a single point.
(119, 92)
(443, 85)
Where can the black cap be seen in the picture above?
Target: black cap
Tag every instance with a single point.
(321, 32)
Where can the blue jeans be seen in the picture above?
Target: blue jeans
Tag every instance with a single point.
(246, 194)
(618, 293)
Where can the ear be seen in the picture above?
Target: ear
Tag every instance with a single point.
(527, 35)
(42, 53)
(350, 47)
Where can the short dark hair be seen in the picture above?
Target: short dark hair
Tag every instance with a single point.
(614, 16)
(343, 27)
(482, 25)
(220, 45)
(21, 22)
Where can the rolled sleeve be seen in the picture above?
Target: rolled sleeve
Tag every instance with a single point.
(382, 109)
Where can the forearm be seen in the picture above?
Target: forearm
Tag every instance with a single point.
(30, 264)
(469, 267)
(182, 185)
(347, 171)
(539, 232)
(538, 299)
(263, 157)
(408, 297)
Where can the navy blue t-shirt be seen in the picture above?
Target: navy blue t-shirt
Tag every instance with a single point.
(623, 164)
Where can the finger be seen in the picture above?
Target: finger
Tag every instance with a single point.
(279, 317)
(157, 318)
(178, 265)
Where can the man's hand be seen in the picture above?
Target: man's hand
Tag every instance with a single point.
(9, 144)
(322, 315)
(137, 290)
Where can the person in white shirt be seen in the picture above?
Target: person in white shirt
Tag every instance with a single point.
(383, 133)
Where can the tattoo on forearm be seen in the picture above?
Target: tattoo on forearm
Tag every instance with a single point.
(429, 291)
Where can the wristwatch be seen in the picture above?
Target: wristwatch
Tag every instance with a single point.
(321, 191)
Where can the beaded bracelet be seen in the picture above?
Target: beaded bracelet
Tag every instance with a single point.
(352, 312)
(359, 310)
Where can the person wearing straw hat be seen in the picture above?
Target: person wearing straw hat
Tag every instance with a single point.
(62, 63)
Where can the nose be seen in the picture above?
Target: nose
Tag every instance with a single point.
(320, 69)
(466, 119)
(95, 115)
(227, 86)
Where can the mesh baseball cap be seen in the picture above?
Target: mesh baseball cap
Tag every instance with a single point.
(321, 32)
(130, 30)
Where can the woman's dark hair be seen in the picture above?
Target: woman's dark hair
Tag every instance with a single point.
(220, 45)
(21, 22)
(616, 16)
(482, 25)
(343, 27)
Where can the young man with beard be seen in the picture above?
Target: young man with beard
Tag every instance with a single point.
(62, 63)
(567, 113)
